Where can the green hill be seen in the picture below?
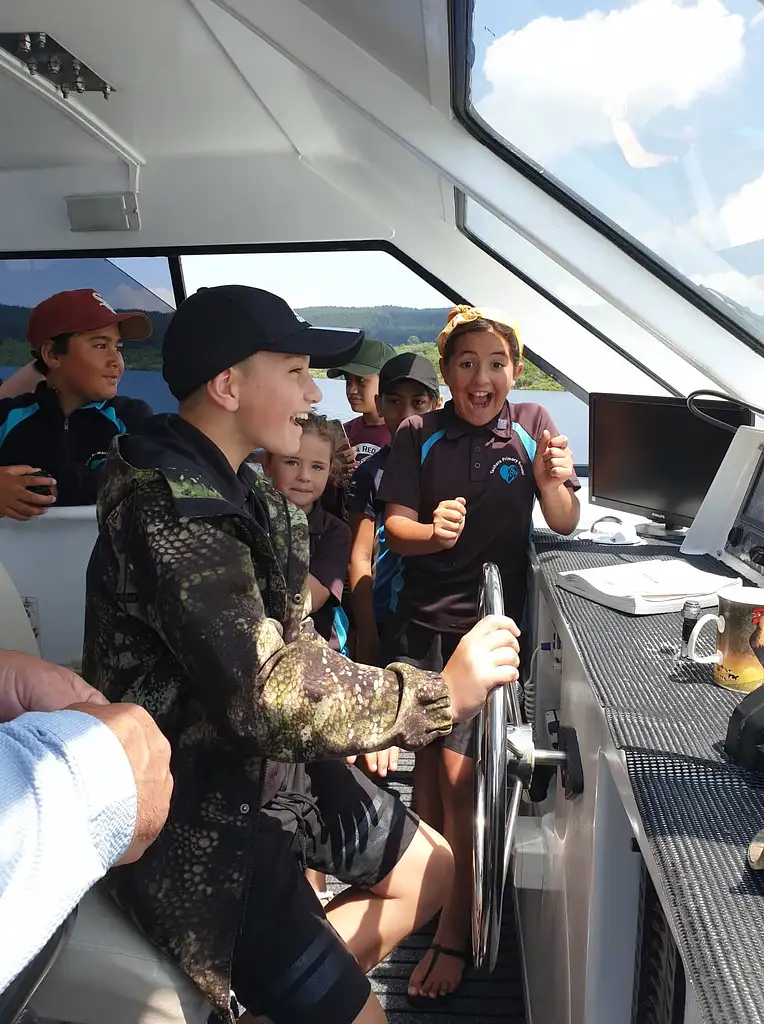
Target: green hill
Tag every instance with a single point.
(409, 330)
(406, 328)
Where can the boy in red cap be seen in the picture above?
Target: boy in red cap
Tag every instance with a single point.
(66, 425)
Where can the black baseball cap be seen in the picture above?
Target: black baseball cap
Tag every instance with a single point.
(218, 327)
(408, 366)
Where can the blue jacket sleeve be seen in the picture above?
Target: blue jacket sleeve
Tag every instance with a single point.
(67, 814)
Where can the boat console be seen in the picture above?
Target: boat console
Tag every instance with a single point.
(730, 522)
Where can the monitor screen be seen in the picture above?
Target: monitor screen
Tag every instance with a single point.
(653, 457)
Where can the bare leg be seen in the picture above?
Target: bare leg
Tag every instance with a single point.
(372, 1013)
(372, 922)
(454, 925)
(427, 800)
(317, 881)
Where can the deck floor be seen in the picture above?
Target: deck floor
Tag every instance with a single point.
(482, 998)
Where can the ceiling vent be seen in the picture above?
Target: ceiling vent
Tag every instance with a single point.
(104, 211)
(45, 57)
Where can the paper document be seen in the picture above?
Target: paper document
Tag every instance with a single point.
(651, 586)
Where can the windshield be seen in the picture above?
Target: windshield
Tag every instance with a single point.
(577, 352)
(648, 111)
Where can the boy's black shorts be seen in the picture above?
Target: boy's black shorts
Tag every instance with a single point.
(289, 964)
(427, 649)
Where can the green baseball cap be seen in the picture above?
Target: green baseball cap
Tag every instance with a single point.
(368, 360)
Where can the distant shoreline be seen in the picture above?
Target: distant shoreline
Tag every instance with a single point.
(531, 379)
(402, 326)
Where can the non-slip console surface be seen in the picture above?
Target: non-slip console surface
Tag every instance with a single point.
(699, 811)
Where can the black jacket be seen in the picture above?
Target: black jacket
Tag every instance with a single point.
(34, 432)
(197, 609)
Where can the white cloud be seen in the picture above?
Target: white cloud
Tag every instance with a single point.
(166, 294)
(748, 291)
(558, 85)
(126, 296)
(742, 213)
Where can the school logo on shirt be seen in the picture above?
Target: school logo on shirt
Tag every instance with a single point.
(509, 469)
(365, 449)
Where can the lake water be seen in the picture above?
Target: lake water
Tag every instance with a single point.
(569, 413)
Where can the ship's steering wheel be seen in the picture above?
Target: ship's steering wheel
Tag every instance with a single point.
(505, 760)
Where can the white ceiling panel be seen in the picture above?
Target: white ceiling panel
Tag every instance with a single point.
(35, 134)
(392, 31)
(177, 91)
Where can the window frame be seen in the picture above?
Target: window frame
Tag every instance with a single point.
(460, 205)
(173, 254)
(462, 54)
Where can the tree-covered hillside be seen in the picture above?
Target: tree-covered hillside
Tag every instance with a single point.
(406, 328)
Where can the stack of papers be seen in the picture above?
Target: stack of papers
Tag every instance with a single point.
(648, 587)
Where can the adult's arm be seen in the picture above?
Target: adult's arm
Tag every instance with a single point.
(21, 382)
(68, 808)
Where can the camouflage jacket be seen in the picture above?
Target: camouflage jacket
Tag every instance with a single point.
(199, 613)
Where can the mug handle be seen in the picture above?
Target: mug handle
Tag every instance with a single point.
(705, 659)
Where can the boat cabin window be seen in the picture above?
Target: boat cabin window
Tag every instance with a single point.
(375, 291)
(135, 282)
(646, 119)
(583, 335)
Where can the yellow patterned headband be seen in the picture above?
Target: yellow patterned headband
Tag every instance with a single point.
(466, 314)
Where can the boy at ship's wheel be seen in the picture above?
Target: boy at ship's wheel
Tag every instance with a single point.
(198, 609)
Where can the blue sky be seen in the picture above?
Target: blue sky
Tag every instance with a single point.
(303, 279)
(651, 110)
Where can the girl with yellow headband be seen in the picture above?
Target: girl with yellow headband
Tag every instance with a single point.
(459, 488)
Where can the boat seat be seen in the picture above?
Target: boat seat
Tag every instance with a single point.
(109, 971)
(16, 633)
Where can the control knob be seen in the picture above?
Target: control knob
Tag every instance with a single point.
(735, 536)
(756, 555)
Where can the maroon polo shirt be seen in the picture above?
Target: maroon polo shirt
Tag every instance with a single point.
(329, 556)
(367, 440)
(439, 456)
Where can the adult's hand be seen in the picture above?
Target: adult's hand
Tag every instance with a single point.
(30, 684)
(148, 752)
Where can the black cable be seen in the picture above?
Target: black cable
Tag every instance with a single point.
(739, 404)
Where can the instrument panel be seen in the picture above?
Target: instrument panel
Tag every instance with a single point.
(730, 522)
(745, 540)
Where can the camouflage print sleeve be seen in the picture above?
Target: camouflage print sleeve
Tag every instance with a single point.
(300, 700)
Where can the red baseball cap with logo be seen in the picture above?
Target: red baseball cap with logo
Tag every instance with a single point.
(81, 310)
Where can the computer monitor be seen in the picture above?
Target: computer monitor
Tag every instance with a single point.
(653, 457)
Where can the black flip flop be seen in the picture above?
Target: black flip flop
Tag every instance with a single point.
(419, 1002)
